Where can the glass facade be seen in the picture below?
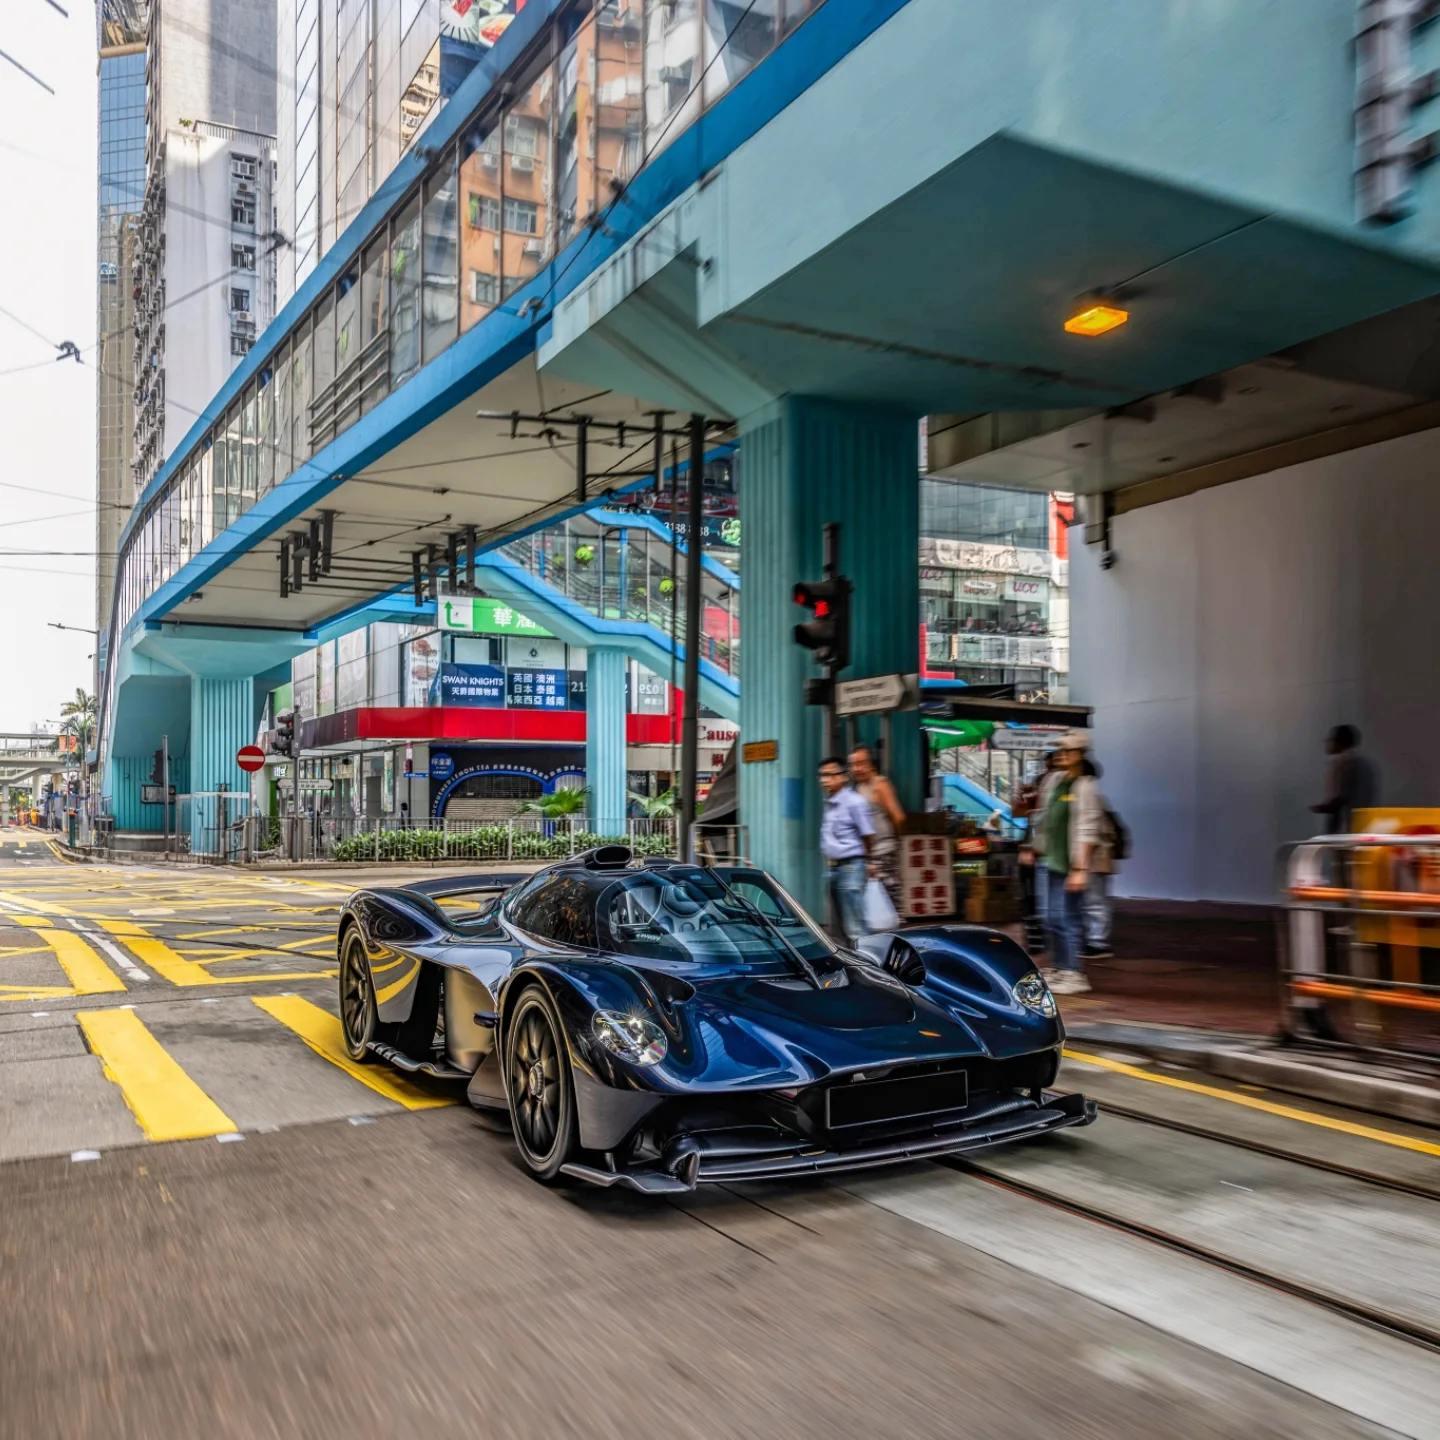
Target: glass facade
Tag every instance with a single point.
(121, 194)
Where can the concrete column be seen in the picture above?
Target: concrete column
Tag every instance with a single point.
(810, 461)
(223, 717)
(605, 738)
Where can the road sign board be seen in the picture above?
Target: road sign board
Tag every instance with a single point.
(875, 694)
(754, 752)
(456, 612)
(250, 757)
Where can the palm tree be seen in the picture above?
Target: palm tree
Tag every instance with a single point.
(558, 804)
(656, 807)
(79, 717)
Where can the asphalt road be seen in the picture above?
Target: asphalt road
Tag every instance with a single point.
(211, 1224)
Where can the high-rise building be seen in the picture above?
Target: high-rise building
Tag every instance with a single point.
(120, 34)
(359, 81)
(204, 284)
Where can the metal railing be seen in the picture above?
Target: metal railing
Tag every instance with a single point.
(1360, 951)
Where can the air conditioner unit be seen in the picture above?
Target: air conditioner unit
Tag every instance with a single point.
(534, 248)
(489, 160)
(522, 164)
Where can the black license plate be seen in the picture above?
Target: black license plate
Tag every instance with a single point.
(903, 1097)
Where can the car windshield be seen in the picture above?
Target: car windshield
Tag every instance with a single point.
(687, 913)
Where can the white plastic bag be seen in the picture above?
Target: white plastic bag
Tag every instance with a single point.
(879, 914)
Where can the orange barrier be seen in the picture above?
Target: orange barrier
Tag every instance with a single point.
(1398, 998)
(1376, 899)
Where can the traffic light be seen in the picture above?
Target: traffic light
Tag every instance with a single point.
(282, 737)
(828, 634)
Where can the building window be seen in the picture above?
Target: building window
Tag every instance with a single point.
(239, 299)
(484, 289)
(242, 167)
(239, 345)
(483, 212)
(242, 257)
(522, 217)
(242, 210)
(522, 140)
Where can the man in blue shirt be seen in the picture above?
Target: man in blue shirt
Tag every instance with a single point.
(845, 838)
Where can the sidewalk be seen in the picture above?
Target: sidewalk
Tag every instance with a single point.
(1198, 987)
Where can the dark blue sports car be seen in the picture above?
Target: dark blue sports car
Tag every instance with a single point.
(662, 1025)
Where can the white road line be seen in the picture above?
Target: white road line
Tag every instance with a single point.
(112, 950)
(77, 1156)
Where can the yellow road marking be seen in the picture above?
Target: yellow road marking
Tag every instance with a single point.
(34, 992)
(326, 941)
(166, 1102)
(1268, 1107)
(381, 996)
(169, 965)
(83, 967)
(9, 951)
(26, 902)
(320, 1030)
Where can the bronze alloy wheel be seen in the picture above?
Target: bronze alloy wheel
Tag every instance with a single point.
(357, 999)
(537, 1073)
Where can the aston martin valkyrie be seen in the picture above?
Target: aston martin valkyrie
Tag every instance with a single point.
(661, 1025)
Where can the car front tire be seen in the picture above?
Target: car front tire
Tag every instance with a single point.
(359, 1015)
(538, 1082)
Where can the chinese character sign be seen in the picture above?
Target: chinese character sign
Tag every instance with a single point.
(530, 689)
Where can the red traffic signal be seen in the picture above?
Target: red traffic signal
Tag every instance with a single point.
(828, 633)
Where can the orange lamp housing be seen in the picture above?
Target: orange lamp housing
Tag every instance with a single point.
(1096, 319)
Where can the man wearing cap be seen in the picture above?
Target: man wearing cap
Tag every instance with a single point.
(1067, 831)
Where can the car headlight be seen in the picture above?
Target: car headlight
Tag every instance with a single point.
(1034, 994)
(631, 1037)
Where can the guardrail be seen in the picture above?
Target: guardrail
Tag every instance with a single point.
(1360, 952)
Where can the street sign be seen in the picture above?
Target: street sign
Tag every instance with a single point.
(250, 758)
(456, 612)
(754, 752)
(875, 694)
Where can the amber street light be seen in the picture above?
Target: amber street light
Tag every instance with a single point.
(1095, 316)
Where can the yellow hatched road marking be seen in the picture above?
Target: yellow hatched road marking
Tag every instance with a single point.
(1249, 1102)
(26, 902)
(169, 965)
(320, 1030)
(9, 951)
(83, 967)
(166, 1102)
(34, 992)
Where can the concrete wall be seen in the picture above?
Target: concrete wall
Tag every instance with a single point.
(1237, 627)
(217, 63)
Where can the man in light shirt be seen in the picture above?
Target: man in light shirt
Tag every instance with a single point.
(846, 834)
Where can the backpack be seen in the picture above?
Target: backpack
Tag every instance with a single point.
(1119, 837)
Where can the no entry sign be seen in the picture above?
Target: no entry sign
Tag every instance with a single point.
(250, 757)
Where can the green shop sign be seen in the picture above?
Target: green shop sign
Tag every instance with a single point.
(479, 615)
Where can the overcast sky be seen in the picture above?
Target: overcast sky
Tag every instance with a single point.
(47, 413)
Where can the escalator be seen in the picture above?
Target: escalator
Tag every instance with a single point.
(609, 577)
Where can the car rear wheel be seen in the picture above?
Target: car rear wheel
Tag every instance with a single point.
(537, 1072)
(359, 1015)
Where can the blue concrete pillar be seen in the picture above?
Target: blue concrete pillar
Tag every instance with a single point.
(605, 739)
(223, 717)
(809, 461)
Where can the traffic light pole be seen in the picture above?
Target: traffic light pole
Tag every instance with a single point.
(690, 736)
(830, 553)
(165, 788)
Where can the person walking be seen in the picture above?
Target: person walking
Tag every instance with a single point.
(1067, 831)
(1349, 781)
(846, 836)
(887, 815)
(1096, 904)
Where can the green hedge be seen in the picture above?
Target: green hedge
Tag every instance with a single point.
(487, 842)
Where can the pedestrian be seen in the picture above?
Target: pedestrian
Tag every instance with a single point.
(887, 815)
(846, 834)
(1350, 782)
(1102, 866)
(1067, 830)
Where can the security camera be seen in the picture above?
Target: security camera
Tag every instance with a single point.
(1107, 559)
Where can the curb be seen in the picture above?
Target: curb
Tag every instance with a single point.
(1393, 1093)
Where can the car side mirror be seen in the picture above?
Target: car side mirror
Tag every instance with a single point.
(903, 961)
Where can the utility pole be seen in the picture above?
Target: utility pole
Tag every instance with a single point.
(690, 737)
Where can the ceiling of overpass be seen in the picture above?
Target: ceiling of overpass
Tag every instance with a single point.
(459, 470)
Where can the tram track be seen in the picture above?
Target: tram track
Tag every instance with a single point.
(1396, 1326)
(1272, 1152)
